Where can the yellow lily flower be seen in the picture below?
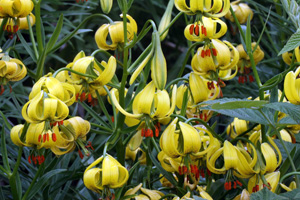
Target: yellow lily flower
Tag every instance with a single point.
(111, 175)
(11, 69)
(271, 162)
(60, 139)
(205, 29)
(15, 8)
(237, 127)
(116, 33)
(218, 55)
(106, 5)
(286, 136)
(289, 188)
(147, 194)
(287, 56)
(104, 75)
(236, 158)
(175, 144)
(291, 86)
(50, 85)
(156, 105)
(44, 107)
(185, 197)
(209, 8)
(255, 184)
(244, 61)
(13, 25)
(200, 90)
(241, 11)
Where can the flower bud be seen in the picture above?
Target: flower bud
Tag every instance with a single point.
(106, 5)
(165, 20)
(158, 64)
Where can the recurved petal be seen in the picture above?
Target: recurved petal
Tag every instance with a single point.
(230, 156)
(142, 102)
(191, 138)
(15, 135)
(101, 36)
(106, 75)
(92, 179)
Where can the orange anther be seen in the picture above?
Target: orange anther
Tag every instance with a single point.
(192, 29)
(53, 137)
(197, 30)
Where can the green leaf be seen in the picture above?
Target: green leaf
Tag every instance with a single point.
(292, 110)
(26, 46)
(239, 104)
(55, 34)
(42, 181)
(168, 175)
(292, 43)
(266, 194)
(4, 151)
(295, 194)
(93, 114)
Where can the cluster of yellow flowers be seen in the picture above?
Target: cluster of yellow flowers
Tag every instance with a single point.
(189, 152)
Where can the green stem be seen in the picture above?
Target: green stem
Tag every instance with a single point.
(287, 175)
(155, 145)
(18, 161)
(4, 21)
(37, 9)
(33, 181)
(32, 38)
(73, 71)
(101, 127)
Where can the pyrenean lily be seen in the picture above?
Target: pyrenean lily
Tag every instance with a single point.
(287, 56)
(237, 127)
(292, 86)
(245, 195)
(200, 90)
(15, 8)
(116, 33)
(180, 143)
(205, 29)
(44, 107)
(168, 163)
(244, 61)
(13, 25)
(270, 180)
(241, 10)
(203, 193)
(235, 158)
(149, 103)
(270, 157)
(289, 188)
(103, 72)
(209, 8)
(111, 175)
(50, 85)
(11, 69)
(106, 5)
(217, 55)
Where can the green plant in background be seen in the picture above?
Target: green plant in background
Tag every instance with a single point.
(177, 100)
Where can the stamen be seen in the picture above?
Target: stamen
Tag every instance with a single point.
(2, 90)
(215, 52)
(112, 119)
(143, 132)
(16, 28)
(205, 33)
(29, 160)
(82, 97)
(80, 154)
(40, 137)
(192, 29)
(77, 95)
(180, 170)
(203, 53)
(47, 135)
(53, 137)
(251, 78)
(156, 131)
(90, 98)
(197, 30)
(44, 137)
(234, 185)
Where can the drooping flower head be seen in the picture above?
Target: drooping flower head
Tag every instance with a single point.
(15, 8)
(116, 34)
(215, 57)
(207, 28)
(241, 10)
(110, 174)
(11, 69)
(291, 86)
(208, 8)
